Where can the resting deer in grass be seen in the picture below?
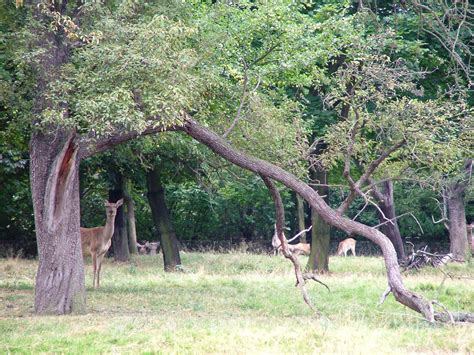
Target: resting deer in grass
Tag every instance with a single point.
(345, 246)
(96, 241)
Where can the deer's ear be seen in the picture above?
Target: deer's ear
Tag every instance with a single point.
(119, 202)
(106, 203)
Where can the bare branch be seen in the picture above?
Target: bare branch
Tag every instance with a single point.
(280, 221)
(242, 101)
(363, 179)
(384, 296)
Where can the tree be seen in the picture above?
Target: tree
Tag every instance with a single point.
(321, 232)
(131, 221)
(162, 219)
(120, 244)
(56, 149)
(387, 216)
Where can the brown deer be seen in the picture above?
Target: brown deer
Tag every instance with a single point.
(142, 248)
(299, 249)
(345, 246)
(96, 241)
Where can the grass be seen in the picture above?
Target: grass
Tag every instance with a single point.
(234, 304)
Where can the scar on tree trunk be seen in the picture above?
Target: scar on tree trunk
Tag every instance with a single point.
(54, 169)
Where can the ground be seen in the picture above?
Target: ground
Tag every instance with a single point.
(235, 304)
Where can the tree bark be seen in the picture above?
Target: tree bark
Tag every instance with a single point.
(300, 216)
(162, 219)
(120, 237)
(386, 204)
(321, 232)
(454, 197)
(131, 221)
(223, 148)
(54, 177)
(459, 245)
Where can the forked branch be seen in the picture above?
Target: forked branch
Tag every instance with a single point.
(280, 222)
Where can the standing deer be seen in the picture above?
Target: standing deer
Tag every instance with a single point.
(345, 246)
(96, 241)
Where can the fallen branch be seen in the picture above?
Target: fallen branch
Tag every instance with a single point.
(422, 258)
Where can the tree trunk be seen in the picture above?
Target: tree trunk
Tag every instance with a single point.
(54, 177)
(330, 216)
(300, 216)
(163, 223)
(321, 232)
(120, 237)
(132, 229)
(459, 245)
(386, 204)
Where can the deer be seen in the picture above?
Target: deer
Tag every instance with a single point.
(96, 241)
(151, 248)
(143, 248)
(345, 246)
(154, 247)
(298, 249)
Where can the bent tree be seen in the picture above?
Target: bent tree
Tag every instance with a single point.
(332, 217)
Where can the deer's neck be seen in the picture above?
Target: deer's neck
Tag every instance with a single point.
(109, 228)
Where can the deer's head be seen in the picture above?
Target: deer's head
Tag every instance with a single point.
(111, 208)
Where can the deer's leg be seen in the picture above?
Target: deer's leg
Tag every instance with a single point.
(100, 258)
(354, 251)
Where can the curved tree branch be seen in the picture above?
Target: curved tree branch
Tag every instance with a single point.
(263, 168)
(280, 222)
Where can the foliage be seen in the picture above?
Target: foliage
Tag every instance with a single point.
(279, 70)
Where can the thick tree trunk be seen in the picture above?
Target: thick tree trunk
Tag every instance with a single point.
(300, 216)
(54, 177)
(454, 198)
(132, 229)
(120, 237)
(321, 232)
(459, 245)
(386, 204)
(162, 219)
(395, 282)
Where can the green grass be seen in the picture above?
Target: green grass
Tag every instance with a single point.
(235, 304)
